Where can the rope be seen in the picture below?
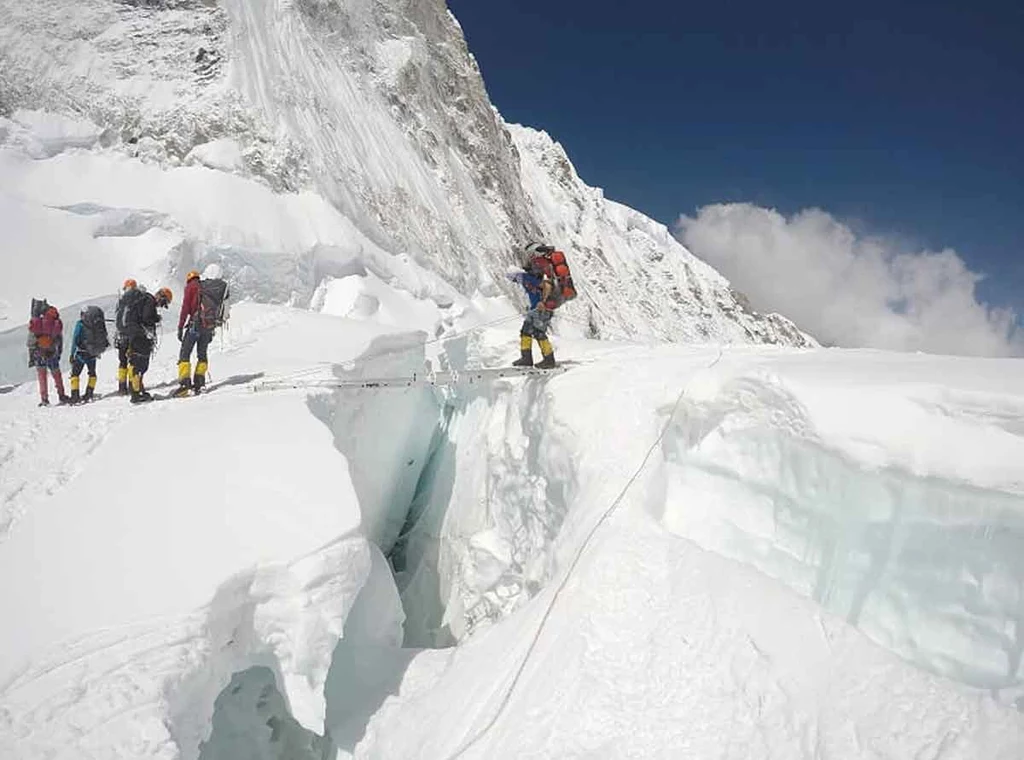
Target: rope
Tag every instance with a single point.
(572, 567)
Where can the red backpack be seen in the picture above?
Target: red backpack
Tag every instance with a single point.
(45, 324)
(554, 266)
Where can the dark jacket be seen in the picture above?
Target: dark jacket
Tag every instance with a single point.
(139, 317)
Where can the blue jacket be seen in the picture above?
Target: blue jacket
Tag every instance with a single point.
(78, 349)
(532, 284)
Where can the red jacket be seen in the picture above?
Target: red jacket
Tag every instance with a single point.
(189, 303)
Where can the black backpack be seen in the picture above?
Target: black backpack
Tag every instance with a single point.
(39, 307)
(94, 331)
(129, 313)
(213, 296)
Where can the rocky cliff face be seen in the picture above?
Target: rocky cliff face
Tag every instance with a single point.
(378, 106)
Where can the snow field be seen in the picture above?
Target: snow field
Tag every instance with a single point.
(483, 496)
(173, 554)
(655, 648)
(173, 604)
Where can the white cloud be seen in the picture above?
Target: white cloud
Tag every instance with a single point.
(846, 289)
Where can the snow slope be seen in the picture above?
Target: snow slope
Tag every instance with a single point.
(176, 604)
(657, 649)
(859, 479)
(378, 110)
(181, 543)
(590, 621)
(635, 278)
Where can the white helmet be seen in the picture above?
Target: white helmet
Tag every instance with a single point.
(535, 249)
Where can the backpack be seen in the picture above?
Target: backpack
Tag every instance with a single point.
(94, 331)
(129, 313)
(121, 309)
(43, 327)
(555, 267)
(213, 296)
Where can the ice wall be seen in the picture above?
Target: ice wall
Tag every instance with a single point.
(927, 562)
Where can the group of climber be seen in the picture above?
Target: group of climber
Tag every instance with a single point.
(544, 276)
(203, 309)
(548, 284)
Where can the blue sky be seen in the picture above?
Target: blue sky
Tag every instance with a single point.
(901, 118)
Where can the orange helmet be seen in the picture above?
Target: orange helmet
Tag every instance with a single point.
(164, 296)
(192, 275)
(129, 284)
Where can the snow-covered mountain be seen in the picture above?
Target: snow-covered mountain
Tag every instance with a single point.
(379, 109)
(705, 548)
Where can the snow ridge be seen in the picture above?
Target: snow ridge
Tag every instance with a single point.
(379, 109)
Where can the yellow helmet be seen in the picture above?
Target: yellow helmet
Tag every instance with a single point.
(192, 275)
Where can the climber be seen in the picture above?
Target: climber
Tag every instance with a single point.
(203, 310)
(140, 321)
(88, 342)
(45, 344)
(129, 292)
(547, 288)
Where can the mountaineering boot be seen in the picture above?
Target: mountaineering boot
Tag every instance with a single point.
(90, 389)
(200, 378)
(139, 394)
(75, 399)
(526, 349)
(122, 381)
(526, 360)
(184, 379)
(546, 351)
(44, 402)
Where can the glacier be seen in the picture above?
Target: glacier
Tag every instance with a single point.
(707, 538)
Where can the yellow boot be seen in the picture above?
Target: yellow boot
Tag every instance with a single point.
(139, 394)
(122, 381)
(200, 378)
(526, 349)
(184, 378)
(546, 350)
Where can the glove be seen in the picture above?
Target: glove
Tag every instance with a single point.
(180, 328)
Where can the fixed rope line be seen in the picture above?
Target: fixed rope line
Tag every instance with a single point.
(572, 567)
